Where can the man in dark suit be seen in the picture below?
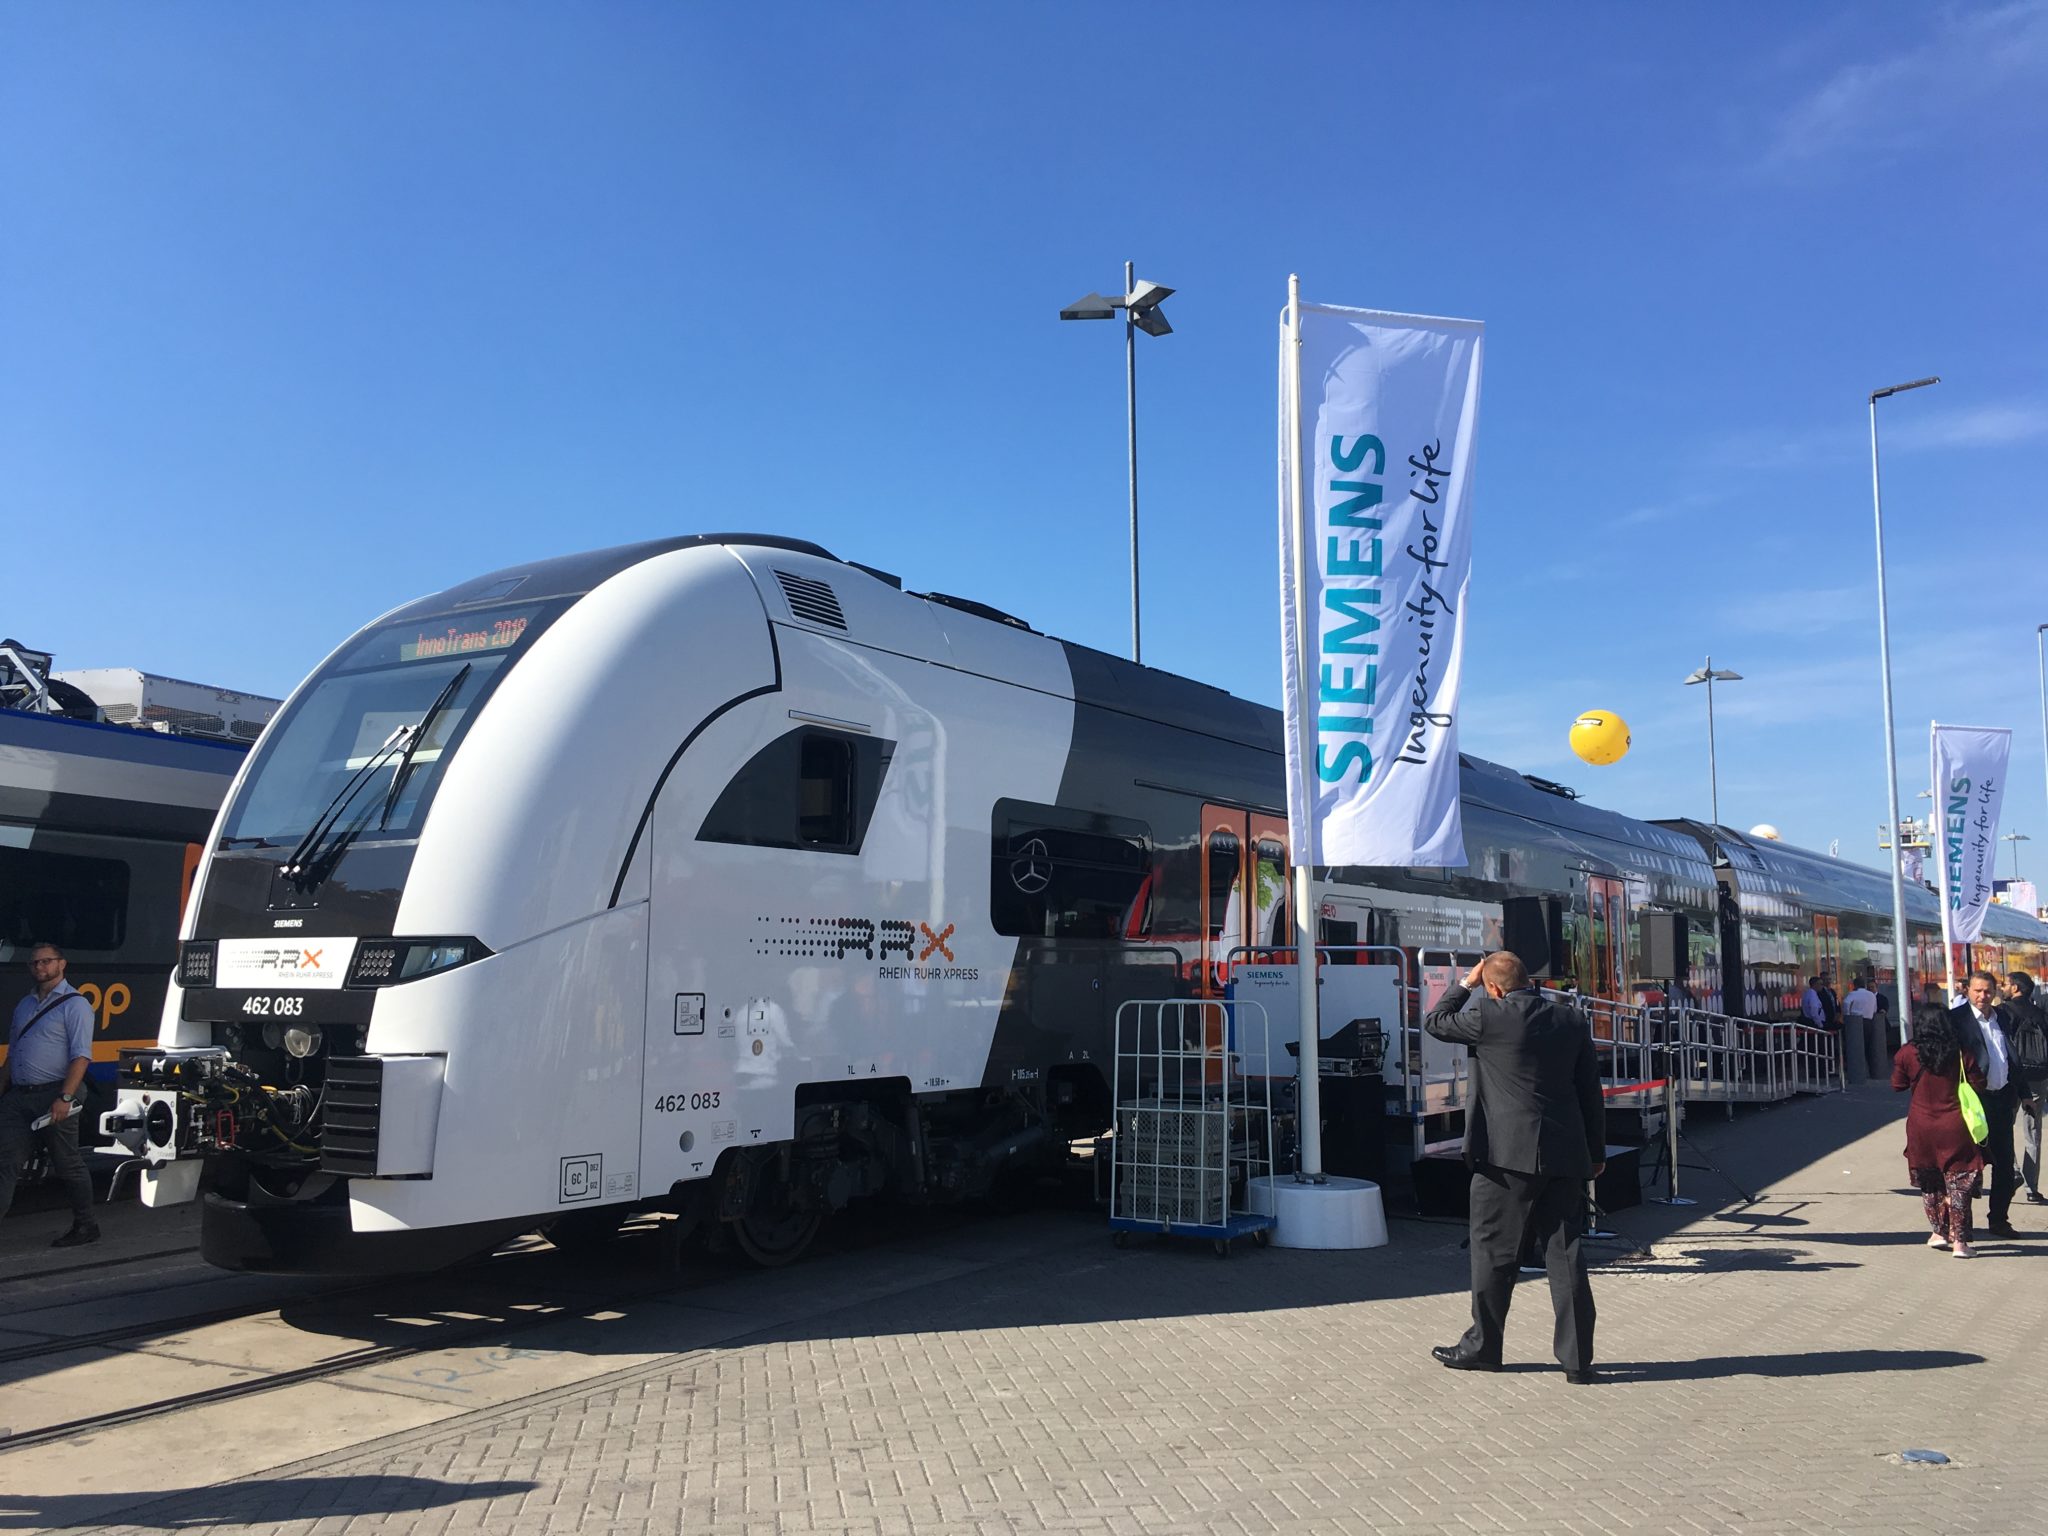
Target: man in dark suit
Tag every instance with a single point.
(2029, 1036)
(1984, 1031)
(1534, 1134)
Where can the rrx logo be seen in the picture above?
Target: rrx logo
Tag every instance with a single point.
(892, 936)
(836, 938)
(286, 960)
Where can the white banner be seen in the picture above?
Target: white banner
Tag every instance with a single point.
(1969, 784)
(1378, 426)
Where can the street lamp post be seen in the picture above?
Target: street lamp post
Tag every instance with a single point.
(1903, 966)
(1140, 304)
(2041, 660)
(1709, 676)
(2016, 838)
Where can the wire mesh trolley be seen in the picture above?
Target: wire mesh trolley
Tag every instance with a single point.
(1192, 1130)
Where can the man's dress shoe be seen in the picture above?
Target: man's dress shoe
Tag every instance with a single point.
(1449, 1355)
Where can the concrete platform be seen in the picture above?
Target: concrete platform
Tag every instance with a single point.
(1766, 1360)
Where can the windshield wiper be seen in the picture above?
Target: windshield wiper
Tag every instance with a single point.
(419, 734)
(295, 863)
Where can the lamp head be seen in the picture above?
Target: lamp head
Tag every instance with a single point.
(1092, 307)
(1148, 295)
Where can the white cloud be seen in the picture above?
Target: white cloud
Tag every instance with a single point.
(1993, 425)
(1642, 517)
(1799, 611)
(1986, 426)
(1976, 62)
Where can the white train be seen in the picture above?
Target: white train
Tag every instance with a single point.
(662, 874)
(719, 875)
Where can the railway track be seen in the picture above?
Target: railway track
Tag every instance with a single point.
(89, 1266)
(439, 1336)
(664, 1282)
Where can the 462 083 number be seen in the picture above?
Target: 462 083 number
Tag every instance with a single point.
(675, 1103)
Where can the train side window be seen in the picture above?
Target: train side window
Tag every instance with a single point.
(1224, 857)
(1533, 928)
(825, 783)
(1274, 923)
(1343, 936)
(813, 790)
(1056, 873)
(67, 898)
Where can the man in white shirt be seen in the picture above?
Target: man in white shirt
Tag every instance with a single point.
(1981, 1025)
(1859, 1010)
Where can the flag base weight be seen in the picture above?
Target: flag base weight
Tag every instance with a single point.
(1336, 1214)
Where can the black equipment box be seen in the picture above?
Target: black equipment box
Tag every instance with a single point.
(1355, 1125)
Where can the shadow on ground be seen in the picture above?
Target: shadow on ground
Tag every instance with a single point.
(1820, 1362)
(261, 1498)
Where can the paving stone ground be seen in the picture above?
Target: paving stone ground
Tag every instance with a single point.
(1766, 1361)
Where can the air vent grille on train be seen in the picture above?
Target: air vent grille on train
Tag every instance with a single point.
(811, 601)
(354, 1103)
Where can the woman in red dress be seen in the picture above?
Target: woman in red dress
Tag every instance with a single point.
(1943, 1157)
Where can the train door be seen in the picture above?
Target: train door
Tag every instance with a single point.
(1827, 950)
(1607, 937)
(1245, 888)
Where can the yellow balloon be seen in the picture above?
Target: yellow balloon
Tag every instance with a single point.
(1600, 736)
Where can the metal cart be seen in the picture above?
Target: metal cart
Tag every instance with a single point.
(1192, 1130)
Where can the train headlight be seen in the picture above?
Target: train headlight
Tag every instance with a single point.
(425, 959)
(386, 962)
(231, 1036)
(195, 963)
(301, 1040)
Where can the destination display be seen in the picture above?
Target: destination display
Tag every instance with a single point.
(466, 636)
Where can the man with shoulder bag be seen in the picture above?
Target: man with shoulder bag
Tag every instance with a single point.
(2030, 1063)
(49, 1046)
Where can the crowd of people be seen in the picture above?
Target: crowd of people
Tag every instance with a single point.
(1975, 1070)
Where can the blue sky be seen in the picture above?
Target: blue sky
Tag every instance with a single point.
(306, 310)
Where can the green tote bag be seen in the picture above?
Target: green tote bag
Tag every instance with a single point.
(1972, 1106)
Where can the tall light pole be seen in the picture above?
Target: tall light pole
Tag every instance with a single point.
(2016, 838)
(1140, 304)
(1709, 676)
(1903, 966)
(2041, 660)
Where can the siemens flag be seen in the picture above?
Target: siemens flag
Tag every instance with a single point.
(1379, 417)
(1969, 785)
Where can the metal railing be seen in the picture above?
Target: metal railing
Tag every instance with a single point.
(1710, 1058)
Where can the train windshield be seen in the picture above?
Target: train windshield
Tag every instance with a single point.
(362, 748)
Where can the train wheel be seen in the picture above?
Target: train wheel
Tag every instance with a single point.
(773, 1230)
(582, 1232)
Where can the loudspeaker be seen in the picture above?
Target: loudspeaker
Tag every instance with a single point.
(1664, 946)
(1532, 928)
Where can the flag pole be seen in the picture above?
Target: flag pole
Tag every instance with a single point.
(1948, 947)
(1309, 1095)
